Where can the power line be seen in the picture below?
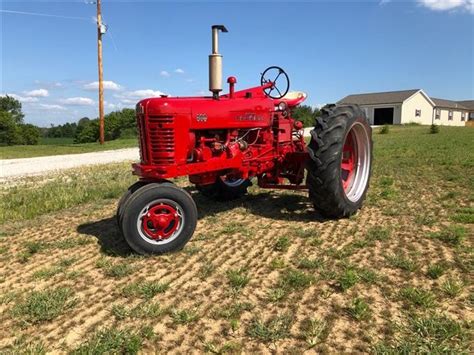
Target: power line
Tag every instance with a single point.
(44, 15)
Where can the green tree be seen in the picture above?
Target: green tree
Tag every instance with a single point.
(12, 106)
(87, 132)
(30, 134)
(305, 114)
(9, 132)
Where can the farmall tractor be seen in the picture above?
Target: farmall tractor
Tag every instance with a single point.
(222, 142)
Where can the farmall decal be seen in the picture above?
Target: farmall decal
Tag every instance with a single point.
(249, 117)
(201, 117)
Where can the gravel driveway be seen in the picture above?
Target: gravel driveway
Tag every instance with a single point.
(11, 169)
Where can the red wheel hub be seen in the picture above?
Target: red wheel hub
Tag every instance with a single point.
(160, 221)
(348, 162)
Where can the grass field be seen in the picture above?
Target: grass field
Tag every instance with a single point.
(59, 146)
(261, 274)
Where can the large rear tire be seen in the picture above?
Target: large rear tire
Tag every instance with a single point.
(159, 218)
(340, 161)
(225, 189)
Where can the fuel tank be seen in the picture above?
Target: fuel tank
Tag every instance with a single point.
(246, 109)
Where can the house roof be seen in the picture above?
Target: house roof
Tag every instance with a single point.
(390, 97)
(448, 103)
(469, 104)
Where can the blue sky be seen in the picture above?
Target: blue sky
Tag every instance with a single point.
(329, 48)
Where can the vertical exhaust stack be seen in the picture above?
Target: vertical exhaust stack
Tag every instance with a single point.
(215, 62)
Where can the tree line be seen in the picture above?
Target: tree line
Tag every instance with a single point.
(13, 131)
(117, 124)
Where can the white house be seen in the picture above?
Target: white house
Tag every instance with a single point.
(411, 106)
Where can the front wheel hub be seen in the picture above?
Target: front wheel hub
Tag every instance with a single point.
(160, 221)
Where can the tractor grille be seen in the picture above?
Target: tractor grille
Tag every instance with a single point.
(157, 140)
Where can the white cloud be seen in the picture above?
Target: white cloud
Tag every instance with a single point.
(49, 84)
(108, 85)
(78, 101)
(165, 74)
(51, 107)
(384, 2)
(445, 5)
(37, 93)
(179, 71)
(23, 99)
(131, 97)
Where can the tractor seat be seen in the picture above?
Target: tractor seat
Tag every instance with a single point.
(294, 98)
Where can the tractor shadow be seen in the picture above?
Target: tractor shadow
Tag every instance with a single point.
(283, 206)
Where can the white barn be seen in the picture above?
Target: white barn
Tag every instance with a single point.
(410, 106)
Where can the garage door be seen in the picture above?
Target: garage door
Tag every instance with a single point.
(383, 116)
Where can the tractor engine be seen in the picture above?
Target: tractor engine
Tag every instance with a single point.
(238, 135)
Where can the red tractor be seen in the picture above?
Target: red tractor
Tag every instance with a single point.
(222, 142)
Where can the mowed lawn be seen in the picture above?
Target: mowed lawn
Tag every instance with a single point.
(60, 146)
(261, 274)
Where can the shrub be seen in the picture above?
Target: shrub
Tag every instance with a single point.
(385, 129)
(434, 129)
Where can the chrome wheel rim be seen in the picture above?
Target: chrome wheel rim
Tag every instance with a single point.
(232, 182)
(176, 229)
(355, 162)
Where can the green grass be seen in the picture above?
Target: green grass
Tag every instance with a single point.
(402, 262)
(292, 280)
(417, 297)
(452, 235)
(431, 334)
(314, 331)
(184, 316)
(42, 306)
(60, 146)
(144, 289)
(359, 309)
(119, 270)
(347, 279)
(436, 270)
(275, 328)
(233, 310)
(143, 310)
(282, 244)
(77, 186)
(238, 278)
(452, 288)
(111, 341)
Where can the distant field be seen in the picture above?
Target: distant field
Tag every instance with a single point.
(58, 146)
(263, 274)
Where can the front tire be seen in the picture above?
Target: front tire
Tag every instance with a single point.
(340, 161)
(159, 218)
(124, 199)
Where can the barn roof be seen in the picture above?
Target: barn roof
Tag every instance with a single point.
(390, 97)
(469, 104)
(448, 103)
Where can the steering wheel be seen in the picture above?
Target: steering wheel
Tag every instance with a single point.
(272, 74)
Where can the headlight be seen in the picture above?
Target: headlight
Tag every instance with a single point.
(282, 106)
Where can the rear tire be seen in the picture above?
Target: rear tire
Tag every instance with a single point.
(225, 190)
(340, 161)
(159, 218)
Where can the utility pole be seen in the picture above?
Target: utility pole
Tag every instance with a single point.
(100, 31)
